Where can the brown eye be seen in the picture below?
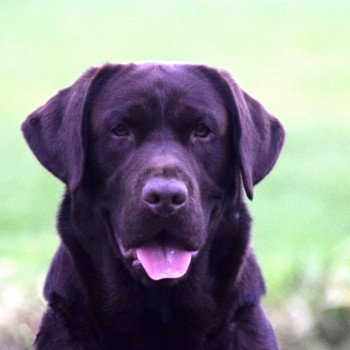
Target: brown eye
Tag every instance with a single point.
(121, 130)
(201, 131)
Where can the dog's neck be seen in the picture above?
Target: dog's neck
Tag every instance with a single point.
(160, 302)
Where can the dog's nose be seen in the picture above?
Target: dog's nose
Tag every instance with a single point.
(165, 196)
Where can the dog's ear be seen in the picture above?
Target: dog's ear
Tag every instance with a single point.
(56, 133)
(258, 136)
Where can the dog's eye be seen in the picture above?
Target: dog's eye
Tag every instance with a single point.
(201, 130)
(121, 130)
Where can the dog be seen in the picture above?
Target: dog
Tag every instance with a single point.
(155, 235)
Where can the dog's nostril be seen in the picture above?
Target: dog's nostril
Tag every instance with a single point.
(152, 198)
(179, 199)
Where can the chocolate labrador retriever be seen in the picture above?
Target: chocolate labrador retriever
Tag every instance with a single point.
(155, 236)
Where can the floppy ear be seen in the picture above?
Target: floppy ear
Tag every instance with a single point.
(258, 136)
(55, 131)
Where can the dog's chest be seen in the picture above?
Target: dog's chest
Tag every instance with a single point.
(166, 325)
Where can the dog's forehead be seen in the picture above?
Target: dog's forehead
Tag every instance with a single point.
(163, 86)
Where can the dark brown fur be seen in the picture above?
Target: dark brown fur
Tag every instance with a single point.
(96, 299)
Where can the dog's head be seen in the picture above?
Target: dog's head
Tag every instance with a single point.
(162, 149)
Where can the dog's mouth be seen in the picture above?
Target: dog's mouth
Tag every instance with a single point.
(160, 260)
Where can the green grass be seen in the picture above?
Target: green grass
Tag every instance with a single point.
(291, 55)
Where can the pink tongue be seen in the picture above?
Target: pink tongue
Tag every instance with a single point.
(161, 261)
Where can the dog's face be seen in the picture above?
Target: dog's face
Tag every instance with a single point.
(159, 147)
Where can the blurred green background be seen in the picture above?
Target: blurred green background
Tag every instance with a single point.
(292, 55)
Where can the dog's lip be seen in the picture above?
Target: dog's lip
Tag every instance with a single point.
(127, 252)
(130, 253)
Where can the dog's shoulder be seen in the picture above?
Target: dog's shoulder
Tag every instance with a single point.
(249, 286)
(62, 285)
